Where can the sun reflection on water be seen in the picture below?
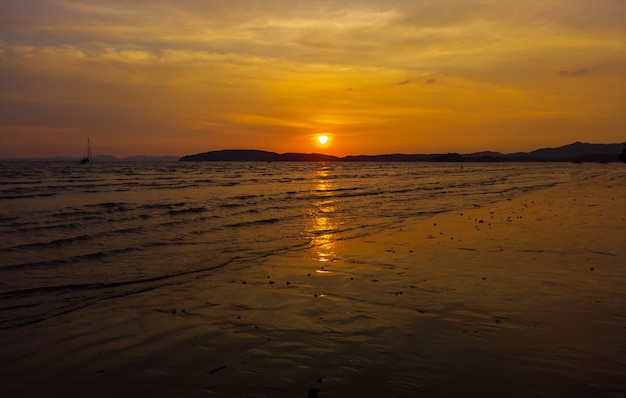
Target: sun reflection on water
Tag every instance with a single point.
(324, 225)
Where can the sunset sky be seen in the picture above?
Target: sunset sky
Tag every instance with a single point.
(377, 76)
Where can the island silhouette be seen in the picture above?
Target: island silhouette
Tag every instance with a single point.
(575, 152)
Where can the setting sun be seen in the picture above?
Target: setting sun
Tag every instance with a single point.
(322, 139)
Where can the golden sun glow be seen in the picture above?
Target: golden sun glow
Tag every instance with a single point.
(322, 139)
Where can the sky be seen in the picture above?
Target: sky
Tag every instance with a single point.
(182, 77)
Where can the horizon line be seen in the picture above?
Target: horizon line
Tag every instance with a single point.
(68, 158)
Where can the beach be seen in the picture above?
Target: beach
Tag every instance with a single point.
(523, 297)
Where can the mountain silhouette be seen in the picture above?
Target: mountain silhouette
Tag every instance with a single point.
(575, 152)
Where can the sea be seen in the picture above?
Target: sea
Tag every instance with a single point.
(74, 235)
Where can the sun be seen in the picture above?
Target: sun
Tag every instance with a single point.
(322, 139)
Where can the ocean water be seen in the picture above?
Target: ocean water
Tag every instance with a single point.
(73, 235)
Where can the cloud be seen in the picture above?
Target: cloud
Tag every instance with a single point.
(295, 64)
(574, 72)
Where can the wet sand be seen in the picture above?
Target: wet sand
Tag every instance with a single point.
(523, 298)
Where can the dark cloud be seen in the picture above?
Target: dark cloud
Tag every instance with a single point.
(574, 72)
(430, 80)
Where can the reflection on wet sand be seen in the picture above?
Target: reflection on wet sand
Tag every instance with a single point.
(324, 224)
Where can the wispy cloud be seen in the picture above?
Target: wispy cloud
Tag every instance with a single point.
(574, 72)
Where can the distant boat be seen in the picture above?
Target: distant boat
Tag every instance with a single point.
(87, 159)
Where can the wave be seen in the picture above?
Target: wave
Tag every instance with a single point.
(69, 260)
(27, 196)
(253, 223)
(83, 235)
(194, 210)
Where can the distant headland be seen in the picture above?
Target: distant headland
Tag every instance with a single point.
(576, 152)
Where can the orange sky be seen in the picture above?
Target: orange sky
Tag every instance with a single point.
(411, 76)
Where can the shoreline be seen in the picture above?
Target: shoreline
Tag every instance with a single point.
(523, 297)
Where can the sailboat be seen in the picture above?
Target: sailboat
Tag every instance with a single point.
(87, 159)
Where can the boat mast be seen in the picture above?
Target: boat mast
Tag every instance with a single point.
(87, 160)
